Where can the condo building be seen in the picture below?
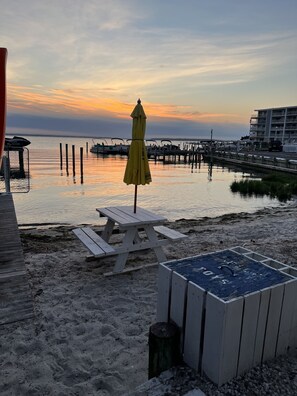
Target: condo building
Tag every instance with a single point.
(279, 123)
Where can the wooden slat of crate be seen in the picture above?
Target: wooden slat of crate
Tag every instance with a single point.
(178, 298)
(248, 332)
(261, 326)
(178, 303)
(287, 316)
(194, 325)
(273, 319)
(293, 332)
(164, 292)
(221, 338)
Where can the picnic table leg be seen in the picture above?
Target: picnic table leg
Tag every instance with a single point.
(107, 232)
(127, 243)
(152, 236)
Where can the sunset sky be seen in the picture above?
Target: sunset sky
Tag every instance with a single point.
(78, 67)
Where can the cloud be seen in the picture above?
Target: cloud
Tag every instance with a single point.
(205, 62)
(108, 127)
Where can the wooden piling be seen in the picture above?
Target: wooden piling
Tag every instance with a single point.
(66, 154)
(81, 161)
(164, 348)
(73, 159)
(61, 157)
(21, 163)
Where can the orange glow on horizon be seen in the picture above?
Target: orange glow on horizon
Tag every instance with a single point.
(78, 102)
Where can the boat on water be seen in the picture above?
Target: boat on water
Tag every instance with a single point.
(290, 147)
(117, 146)
(15, 142)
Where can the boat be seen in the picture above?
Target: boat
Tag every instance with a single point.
(16, 142)
(290, 147)
(120, 148)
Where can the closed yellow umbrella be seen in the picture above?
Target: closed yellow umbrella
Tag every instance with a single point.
(137, 168)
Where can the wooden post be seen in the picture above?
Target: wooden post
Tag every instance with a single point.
(164, 348)
(61, 157)
(81, 165)
(6, 170)
(66, 150)
(21, 163)
(73, 159)
(87, 147)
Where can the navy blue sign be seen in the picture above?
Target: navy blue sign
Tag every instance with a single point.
(228, 274)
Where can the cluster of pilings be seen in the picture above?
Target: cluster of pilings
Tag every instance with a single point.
(179, 156)
(72, 158)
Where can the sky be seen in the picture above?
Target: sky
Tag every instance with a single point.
(77, 67)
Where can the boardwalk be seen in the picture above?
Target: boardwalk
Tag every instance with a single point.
(15, 294)
(282, 162)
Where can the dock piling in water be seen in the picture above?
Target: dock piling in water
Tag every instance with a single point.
(66, 153)
(61, 157)
(81, 165)
(73, 159)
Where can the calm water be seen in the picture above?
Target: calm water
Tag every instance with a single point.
(177, 191)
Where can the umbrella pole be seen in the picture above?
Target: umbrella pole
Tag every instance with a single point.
(135, 198)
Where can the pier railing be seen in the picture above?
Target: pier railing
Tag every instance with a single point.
(256, 160)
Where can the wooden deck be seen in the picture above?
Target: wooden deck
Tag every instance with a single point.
(15, 294)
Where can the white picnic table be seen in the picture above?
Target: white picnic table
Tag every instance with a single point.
(132, 225)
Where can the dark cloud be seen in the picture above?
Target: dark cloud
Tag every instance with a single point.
(107, 127)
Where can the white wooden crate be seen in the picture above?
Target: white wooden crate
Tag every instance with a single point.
(225, 336)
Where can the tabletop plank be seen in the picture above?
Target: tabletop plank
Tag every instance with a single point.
(124, 216)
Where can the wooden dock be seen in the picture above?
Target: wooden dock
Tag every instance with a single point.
(273, 162)
(16, 301)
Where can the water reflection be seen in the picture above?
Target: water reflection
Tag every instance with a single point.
(177, 191)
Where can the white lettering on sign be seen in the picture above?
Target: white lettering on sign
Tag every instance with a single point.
(207, 273)
(199, 269)
(216, 277)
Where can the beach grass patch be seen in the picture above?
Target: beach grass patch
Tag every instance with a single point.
(274, 185)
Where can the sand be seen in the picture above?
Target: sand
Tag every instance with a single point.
(90, 332)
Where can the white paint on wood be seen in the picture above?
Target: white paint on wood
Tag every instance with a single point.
(127, 242)
(274, 312)
(261, 326)
(194, 325)
(287, 316)
(173, 235)
(221, 338)
(98, 240)
(248, 332)
(153, 239)
(178, 298)
(88, 242)
(164, 292)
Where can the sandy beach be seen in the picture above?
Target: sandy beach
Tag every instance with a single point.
(90, 332)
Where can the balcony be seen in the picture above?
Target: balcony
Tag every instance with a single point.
(292, 111)
(278, 113)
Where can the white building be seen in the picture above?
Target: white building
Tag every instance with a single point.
(279, 123)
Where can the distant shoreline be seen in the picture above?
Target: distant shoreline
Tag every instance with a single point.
(185, 139)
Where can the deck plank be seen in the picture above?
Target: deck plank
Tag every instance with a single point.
(15, 294)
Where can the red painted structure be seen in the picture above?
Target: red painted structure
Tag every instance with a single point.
(3, 57)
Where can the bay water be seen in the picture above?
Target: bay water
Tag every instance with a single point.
(177, 190)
